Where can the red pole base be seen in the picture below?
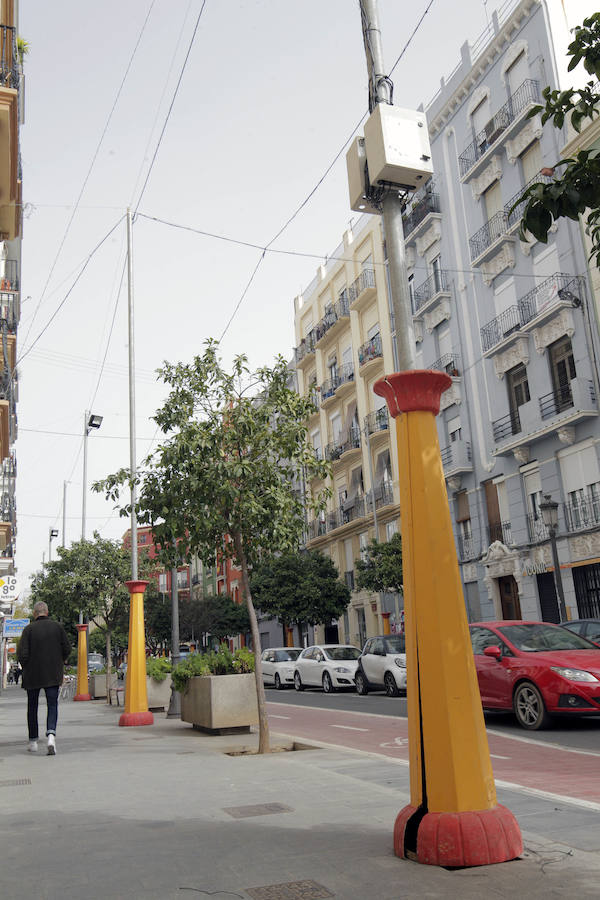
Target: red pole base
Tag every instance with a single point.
(470, 838)
(83, 697)
(137, 718)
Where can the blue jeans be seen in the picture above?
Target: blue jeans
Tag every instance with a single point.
(33, 696)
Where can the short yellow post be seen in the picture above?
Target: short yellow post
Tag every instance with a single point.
(83, 689)
(136, 694)
(453, 818)
(386, 622)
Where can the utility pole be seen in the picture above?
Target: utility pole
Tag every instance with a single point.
(174, 710)
(64, 515)
(132, 442)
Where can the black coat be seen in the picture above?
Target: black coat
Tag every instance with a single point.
(43, 650)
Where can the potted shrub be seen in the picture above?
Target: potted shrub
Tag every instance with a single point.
(97, 682)
(218, 690)
(158, 682)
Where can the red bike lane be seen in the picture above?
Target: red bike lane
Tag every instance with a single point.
(518, 761)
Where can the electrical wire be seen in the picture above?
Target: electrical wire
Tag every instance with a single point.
(77, 434)
(89, 171)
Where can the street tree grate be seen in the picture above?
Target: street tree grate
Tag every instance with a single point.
(15, 782)
(257, 809)
(292, 890)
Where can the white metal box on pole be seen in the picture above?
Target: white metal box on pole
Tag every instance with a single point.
(397, 146)
(356, 159)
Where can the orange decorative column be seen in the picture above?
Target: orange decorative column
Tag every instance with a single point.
(136, 694)
(453, 818)
(83, 690)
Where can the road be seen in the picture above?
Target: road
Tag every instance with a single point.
(562, 762)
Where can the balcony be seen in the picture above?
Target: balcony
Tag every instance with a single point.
(420, 210)
(467, 548)
(370, 351)
(582, 513)
(336, 449)
(502, 330)
(344, 376)
(457, 458)
(502, 125)
(500, 531)
(429, 293)
(336, 316)
(540, 416)
(448, 363)
(485, 242)
(536, 529)
(383, 493)
(9, 310)
(515, 215)
(9, 127)
(303, 352)
(363, 289)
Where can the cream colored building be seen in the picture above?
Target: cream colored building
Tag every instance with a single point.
(344, 345)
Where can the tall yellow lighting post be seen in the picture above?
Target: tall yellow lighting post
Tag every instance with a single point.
(453, 818)
(136, 694)
(83, 691)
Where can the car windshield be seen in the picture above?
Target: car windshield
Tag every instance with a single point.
(535, 638)
(395, 644)
(342, 652)
(286, 655)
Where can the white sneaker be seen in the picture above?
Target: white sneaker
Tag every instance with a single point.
(32, 746)
(51, 745)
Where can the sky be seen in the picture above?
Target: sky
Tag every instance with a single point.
(270, 93)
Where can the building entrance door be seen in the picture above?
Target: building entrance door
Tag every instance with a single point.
(509, 597)
(548, 599)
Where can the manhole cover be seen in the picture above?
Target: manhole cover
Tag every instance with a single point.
(15, 782)
(292, 890)
(258, 809)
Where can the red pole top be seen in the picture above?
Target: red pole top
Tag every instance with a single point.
(81, 627)
(417, 389)
(136, 587)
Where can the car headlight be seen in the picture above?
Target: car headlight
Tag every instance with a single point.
(573, 674)
(400, 662)
(288, 671)
(341, 669)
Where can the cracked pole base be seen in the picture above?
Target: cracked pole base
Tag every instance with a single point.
(453, 818)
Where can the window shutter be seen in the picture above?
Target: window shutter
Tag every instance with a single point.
(462, 507)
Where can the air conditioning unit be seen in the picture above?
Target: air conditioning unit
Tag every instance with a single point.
(397, 147)
(358, 180)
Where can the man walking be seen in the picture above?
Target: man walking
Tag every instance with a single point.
(43, 650)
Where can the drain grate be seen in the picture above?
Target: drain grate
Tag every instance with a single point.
(292, 890)
(15, 782)
(257, 809)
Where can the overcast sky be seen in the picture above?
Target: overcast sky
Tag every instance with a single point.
(271, 91)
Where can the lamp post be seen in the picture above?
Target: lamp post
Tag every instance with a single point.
(90, 421)
(549, 511)
(53, 533)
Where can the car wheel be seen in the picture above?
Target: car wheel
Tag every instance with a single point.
(362, 687)
(391, 688)
(529, 708)
(298, 682)
(328, 684)
(277, 682)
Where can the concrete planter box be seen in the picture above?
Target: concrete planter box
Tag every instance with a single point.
(220, 702)
(97, 685)
(159, 693)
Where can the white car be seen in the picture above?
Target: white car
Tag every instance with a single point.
(382, 665)
(278, 665)
(330, 666)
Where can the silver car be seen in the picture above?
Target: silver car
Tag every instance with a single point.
(278, 665)
(330, 666)
(382, 665)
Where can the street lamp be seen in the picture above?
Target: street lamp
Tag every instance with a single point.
(90, 421)
(549, 511)
(53, 533)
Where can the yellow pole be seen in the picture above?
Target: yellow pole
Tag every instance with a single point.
(453, 818)
(386, 622)
(83, 689)
(136, 694)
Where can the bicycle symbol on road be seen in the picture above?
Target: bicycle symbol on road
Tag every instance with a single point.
(395, 744)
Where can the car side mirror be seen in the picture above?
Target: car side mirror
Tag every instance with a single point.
(495, 652)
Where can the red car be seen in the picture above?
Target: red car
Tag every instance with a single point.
(536, 669)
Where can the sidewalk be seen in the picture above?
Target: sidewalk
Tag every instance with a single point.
(158, 812)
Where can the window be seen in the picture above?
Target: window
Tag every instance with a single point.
(436, 271)
(373, 331)
(517, 73)
(182, 579)
(363, 543)
(463, 513)
(332, 368)
(142, 538)
(411, 291)
(531, 162)
(493, 200)
(581, 482)
(367, 262)
(315, 439)
(562, 371)
(454, 430)
(336, 427)
(481, 116)
(162, 582)
(517, 386)
(391, 529)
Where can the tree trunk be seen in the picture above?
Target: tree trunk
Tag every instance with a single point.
(108, 663)
(263, 722)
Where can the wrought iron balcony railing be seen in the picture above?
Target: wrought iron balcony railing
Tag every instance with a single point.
(9, 58)
(344, 375)
(435, 284)
(420, 209)
(365, 280)
(500, 531)
(378, 420)
(450, 452)
(336, 448)
(383, 493)
(306, 346)
(556, 401)
(582, 513)
(10, 280)
(493, 229)
(536, 529)
(334, 312)
(495, 331)
(559, 286)
(371, 349)
(449, 363)
(514, 215)
(467, 549)
(507, 425)
(526, 94)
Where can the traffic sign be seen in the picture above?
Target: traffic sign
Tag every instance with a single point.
(9, 587)
(14, 627)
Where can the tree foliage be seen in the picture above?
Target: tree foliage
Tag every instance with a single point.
(577, 189)
(381, 569)
(234, 444)
(299, 588)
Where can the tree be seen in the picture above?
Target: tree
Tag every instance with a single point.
(157, 618)
(577, 189)
(88, 577)
(234, 443)
(299, 588)
(381, 569)
(218, 616)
